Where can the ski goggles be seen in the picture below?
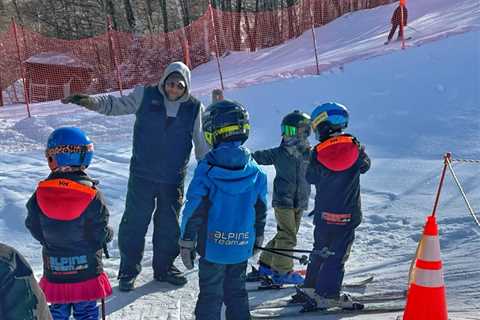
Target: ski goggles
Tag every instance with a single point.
(289, 131)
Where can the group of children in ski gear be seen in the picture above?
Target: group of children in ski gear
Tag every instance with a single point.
(224, 216)
(333, 166)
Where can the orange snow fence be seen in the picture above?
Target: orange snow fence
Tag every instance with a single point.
(49, 68)
(426, 295)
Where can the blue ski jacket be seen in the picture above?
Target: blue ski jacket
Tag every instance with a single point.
(226, 205)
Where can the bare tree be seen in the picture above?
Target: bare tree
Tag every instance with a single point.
(129, 14)
(148, 14)
(17, 11)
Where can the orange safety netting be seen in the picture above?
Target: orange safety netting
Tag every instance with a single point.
(55, 68)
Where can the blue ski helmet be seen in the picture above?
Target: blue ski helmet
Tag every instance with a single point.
(69, 146)
(225, 121)
(328, 118)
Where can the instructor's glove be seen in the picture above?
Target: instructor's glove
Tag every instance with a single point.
(81, 100)
(258, 243)
(187, 252)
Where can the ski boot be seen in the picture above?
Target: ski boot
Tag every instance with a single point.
(318, 302)
(287, 278)
(260, 273)
(302, 295)
(172, 276)
(126, 283)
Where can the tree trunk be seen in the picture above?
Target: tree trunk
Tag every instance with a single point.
(17, 11)
(163, 7)
(237, 18)
(186, 19)
(130, 15)
(110, 7)
(255, 26)
(291, 19)
(148, 14)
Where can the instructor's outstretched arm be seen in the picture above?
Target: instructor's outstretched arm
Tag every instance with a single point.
(108, 104)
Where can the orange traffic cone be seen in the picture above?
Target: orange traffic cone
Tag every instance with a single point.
(426, 294)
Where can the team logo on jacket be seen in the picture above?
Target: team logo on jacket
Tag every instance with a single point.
(229, 238)
(68, 264)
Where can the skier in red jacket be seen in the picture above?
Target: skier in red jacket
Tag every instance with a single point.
(395, 20)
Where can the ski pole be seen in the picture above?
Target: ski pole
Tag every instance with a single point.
(105, 251)
(289, 250)
(410, 27)
(103, 310)
(325, 253)
(303, 259)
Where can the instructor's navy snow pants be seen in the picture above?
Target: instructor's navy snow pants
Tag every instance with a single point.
(222, 283)
(145, 198)
(326, 274)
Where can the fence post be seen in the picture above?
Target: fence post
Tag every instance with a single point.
(113, 55)
(446, 160)
(186, 51)
(25, 94)
(1, 91)
(313, 36)
(402, 29)
(216, 44)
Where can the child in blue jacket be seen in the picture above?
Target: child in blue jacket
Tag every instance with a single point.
(224, 216)
(335, 167)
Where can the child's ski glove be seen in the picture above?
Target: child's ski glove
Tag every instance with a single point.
(81, 100)
(187, 252)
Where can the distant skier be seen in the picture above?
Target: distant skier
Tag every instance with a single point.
(335, 167)
(396, 20)
(290, 195)
(68, 216)
(224, 215)
(20, 295)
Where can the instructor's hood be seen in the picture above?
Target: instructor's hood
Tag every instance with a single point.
(181, 68)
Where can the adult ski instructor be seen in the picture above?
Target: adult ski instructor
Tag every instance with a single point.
(168, 120)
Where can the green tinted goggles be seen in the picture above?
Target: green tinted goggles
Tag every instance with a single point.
(289, 131)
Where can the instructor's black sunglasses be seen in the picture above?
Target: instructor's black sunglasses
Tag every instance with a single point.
(172, 84)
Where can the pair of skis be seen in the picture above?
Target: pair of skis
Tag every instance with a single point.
(398, 40)
(266, 283)
(365, 304)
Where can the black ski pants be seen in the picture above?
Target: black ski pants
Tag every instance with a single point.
(144, 199)
(222, 283)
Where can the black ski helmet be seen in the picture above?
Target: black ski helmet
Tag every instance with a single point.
(225, 121)
(296, 124)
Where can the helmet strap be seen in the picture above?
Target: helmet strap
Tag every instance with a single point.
(83, 153)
